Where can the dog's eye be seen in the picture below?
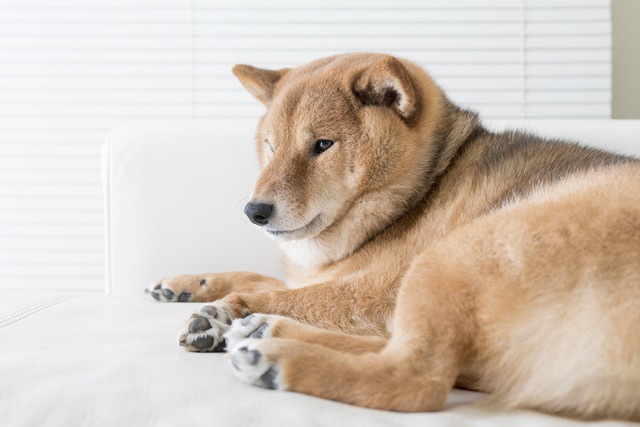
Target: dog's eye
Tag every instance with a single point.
(322, 145)
(266, 141)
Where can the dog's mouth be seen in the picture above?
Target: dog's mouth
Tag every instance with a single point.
(292, 234)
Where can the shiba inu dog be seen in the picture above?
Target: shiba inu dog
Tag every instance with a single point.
(423, 252)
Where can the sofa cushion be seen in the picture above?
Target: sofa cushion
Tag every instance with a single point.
(71, 360)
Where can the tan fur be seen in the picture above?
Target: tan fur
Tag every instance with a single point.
(500, 262)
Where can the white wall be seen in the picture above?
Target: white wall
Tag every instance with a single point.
(72, 69)
(626, 59)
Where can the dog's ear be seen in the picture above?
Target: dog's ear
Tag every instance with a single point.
(259, 82)
(387, 83)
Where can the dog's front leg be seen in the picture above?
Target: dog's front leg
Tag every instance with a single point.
(210, 287)
(352, 308)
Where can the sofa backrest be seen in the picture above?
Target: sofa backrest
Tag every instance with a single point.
(175, 190)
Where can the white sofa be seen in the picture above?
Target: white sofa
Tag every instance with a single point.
(174, 193)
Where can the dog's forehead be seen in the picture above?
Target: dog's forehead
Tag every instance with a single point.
(310, 110)
(311, 93)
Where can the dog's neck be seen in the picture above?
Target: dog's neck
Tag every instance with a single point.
(379, 210)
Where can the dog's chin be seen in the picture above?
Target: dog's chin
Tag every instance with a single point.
(306, 231)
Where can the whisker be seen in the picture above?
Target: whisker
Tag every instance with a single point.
(241, 201)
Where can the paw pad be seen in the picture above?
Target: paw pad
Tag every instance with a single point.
(203, 342)
(199, 324)
(259, 332)
(203, 331)
(251, 357)
(247, 320)
(253, 367)
(211, 311)
(255, 326)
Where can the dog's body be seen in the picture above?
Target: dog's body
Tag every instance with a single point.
(427, 252)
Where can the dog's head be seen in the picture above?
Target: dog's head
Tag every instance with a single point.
(347, 144)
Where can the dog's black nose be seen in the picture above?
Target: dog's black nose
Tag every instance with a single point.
(258, 213)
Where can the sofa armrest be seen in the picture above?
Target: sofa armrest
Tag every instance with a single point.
(174, 193)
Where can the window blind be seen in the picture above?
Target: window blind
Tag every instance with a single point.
(72, 69)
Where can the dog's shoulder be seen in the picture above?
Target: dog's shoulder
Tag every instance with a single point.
(527, 161)
(545, 154)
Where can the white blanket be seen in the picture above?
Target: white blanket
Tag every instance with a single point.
(94, 360)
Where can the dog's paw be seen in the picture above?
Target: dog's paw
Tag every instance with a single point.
(184, 288)
(253, 326)
(165, 292)
(254, 363)
(203, 331)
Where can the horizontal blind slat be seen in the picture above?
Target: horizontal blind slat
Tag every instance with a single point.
(50, 176)
(12, 243)
(260, 57)
(50, 270)
(104, 97)
(94, 43)
(97, 15)
(50, 150)
(574, 14)
(379, 42)
(240, 30)
(68, 257)
(564, 96)
(365, 15)
(19, 191)
(51, 218)
(583, 83)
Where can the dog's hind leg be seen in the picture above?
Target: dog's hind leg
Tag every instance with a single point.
(262, 326)
(374, 380)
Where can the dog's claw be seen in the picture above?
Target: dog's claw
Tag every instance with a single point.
(164, 291)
